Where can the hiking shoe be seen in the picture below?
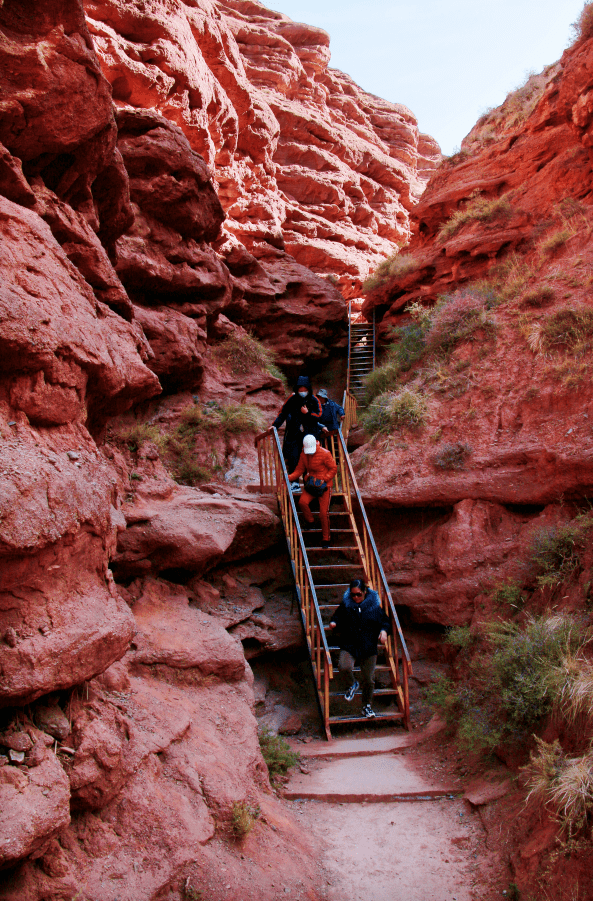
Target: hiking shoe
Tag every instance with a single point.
(368, 711)
(351, 692)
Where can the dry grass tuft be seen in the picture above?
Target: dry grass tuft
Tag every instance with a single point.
(394, 267)
(395, 410)
(242, 353)
(477, 209)
(562, 784)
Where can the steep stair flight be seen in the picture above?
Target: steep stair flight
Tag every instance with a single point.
(361, 352)
(322, 575)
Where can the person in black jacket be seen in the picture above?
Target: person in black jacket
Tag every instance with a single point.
(361, 623)
(301, 413)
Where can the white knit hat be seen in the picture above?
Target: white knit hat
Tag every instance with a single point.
(309, 444)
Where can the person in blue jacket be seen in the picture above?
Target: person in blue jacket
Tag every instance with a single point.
(332, 415)
(301, 413)
(360, 623)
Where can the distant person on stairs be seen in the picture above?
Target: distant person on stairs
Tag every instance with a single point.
(361, 623)
(321, 468)
(332, 415)
(301, 413)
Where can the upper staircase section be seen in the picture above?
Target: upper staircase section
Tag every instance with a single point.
(322, 575)
(361, 352)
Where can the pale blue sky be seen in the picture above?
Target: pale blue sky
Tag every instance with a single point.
(447, 60)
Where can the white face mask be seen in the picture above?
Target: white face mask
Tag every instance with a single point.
(303, 395)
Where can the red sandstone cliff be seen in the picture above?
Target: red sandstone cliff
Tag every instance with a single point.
(303, 159)
(509, 387)
(127, 731)
(494, 362)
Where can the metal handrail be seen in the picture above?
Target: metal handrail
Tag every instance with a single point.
(350, 408)
(272, 465)
(377, 579)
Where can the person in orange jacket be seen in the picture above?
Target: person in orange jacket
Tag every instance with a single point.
(319, 464)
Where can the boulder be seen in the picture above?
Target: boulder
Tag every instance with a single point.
(34, 805)
(191, 530)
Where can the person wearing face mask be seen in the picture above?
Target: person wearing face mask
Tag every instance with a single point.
(301, 413)
(361, 623)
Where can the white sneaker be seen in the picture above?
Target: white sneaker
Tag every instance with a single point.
(295, 487)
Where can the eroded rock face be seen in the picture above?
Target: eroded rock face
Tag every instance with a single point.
(35, 804)
(303, 158)
(506, 443)
(154, 772)
(536, 163)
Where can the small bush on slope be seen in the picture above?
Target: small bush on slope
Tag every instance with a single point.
(242, 352)
(278, 756)
(583, 27)
(397, 265)
(477, 209)
(394, 410)
(515, 679)
(432, 331)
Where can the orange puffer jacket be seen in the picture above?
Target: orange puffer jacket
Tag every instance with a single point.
(320, 465)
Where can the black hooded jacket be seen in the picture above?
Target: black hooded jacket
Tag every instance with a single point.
(359, 625)
(292, 415)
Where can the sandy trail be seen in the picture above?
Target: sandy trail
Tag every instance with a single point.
(432, 849)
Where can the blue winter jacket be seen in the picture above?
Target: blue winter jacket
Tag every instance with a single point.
(330, 413)
(359, 625)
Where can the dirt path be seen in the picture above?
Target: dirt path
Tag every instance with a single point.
(388, 827)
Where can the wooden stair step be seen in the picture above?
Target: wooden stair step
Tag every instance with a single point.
(379, 717)
(381, 692)
(334, 547)
(333, 585)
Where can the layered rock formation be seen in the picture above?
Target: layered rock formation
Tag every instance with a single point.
(127, 733)
(304, 160)
(490, 385)
(507, 431)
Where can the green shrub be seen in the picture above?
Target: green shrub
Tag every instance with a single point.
(442, 695)
(460, 636)
(477, 209)
(242, 352)
(583, 27)
(525, 660)
(187, 472)
(277, 753)
(509, 594)
(396, 266)
(517, 677)
(407, 348)
(243, 818)
(241, 418)
(555, 550)
(451, 456)
(381, 379)
(394, 410)
(136, 435)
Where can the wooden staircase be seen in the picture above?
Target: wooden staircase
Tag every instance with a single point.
(361, 352)
(322, 575)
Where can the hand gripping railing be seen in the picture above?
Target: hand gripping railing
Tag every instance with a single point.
(376, 579)
(274, 478)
